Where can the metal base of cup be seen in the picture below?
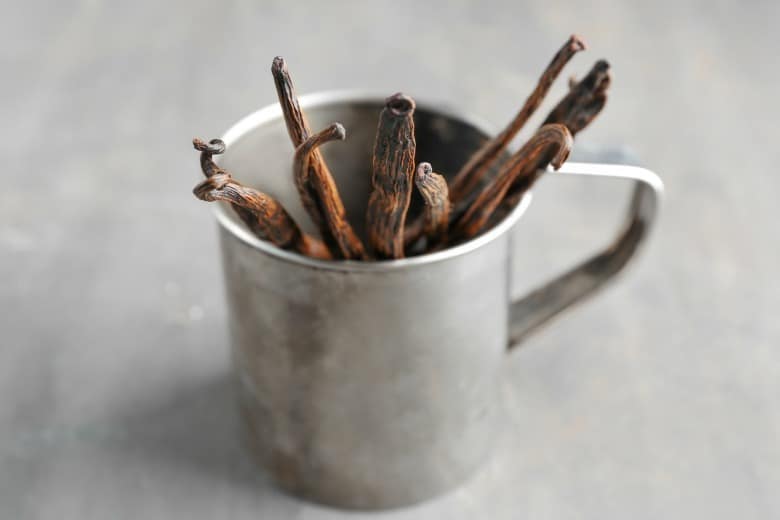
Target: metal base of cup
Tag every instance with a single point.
(291, 477)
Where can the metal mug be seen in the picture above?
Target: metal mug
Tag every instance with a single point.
(373, 385)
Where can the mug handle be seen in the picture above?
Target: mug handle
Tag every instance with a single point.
(532, 311)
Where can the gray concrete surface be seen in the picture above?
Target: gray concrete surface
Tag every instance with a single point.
(659, 399)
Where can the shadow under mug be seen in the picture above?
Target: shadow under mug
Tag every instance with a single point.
(373, 385)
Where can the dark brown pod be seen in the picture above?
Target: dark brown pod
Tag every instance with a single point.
(584, 100)
(320, 195)
(263, 215)
(550, 144)
(472, 173)
(392, 177)
(436, 214)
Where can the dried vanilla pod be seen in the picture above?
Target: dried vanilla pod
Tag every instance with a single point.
(585, 113)
(303, 168)
(207, 151)
(576, 110)
(436, 214)
(392, 177)
(302, 160)
(270, 222)
(319, 193)
(551, 143)
(584, 100)
(294, 118)
(478, 165)
(263, 215)
(210, 168)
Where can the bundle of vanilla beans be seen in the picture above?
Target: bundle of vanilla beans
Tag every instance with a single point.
(477, 197)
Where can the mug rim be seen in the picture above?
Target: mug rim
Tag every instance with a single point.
(273, 112)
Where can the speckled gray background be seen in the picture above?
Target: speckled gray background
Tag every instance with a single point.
(659, 399)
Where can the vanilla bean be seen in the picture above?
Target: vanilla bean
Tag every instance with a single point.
(210, 168)
(321, 197)
(207, 151)
(585, 113)
(578, 108)
(392, 177)
(436, 214)
(261, 213)
(551, 143)
(349, 246)
(584, 100)
(478, 166)
(471, 174)
(303, 159)
(295, 119)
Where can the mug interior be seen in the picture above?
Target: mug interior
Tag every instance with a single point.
(259, 153)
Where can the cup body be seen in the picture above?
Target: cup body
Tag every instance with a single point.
(364, 384)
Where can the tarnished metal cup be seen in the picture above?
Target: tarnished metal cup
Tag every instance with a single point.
(375, 384)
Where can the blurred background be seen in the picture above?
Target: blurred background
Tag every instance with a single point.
(659, 399)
